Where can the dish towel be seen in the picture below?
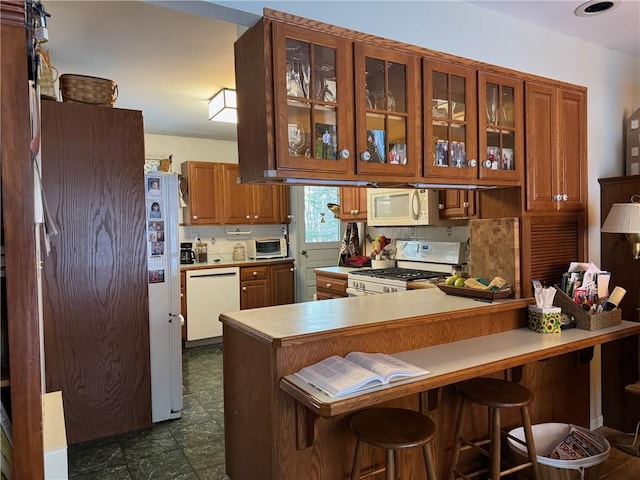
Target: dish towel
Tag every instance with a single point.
(350, 246)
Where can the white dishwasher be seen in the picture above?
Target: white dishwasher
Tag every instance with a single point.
(210, 292)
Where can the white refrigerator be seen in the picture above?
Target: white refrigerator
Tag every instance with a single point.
(163, 264)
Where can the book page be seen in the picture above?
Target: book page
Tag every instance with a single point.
(337, 376)
(386, 366)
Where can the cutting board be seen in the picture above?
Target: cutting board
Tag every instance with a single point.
(494, 250)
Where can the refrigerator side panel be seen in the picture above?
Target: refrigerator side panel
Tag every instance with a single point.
(164, 295)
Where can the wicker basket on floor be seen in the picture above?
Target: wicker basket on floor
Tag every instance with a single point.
(89, 90)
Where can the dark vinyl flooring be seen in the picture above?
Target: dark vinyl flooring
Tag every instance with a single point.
(188, 448)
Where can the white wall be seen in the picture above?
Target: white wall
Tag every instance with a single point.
(454, 27)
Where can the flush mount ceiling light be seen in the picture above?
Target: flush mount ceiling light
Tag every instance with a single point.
(223, 106)
(596, 7)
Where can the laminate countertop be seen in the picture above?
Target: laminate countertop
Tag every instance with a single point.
(308, 321)
(222, 262)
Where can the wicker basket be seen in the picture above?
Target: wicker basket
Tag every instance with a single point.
(90, 90)
(584, 319)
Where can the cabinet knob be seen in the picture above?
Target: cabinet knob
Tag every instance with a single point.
(255, 274)
(344, 153)
(465, 204)
(473, 163)
(195, 217)
(291, 269)
(565, 197)
(244, 289)
(248, 217)
(441, 206)
(365, 156)
(355, 212)
(255, 217)
(289, 216)
(328, 285)
(486, 164)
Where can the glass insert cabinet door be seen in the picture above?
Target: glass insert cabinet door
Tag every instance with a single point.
(450, 121)
(386, 92)
(312, 100)
(500, 102)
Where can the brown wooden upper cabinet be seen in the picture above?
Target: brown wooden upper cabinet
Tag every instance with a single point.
(456, 204)
(353, 204)
(251, 204)
(387, 89)
(204, 193)
(449, 101)
(556, 148)
(214, 197)
(500, 127)
(313, 96)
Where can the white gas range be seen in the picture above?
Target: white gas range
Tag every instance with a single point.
(415, 260)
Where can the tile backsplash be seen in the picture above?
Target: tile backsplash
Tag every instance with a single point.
(220, 240)
(422, 232)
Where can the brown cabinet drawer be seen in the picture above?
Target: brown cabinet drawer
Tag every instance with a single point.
(254, 273)
(331, 286)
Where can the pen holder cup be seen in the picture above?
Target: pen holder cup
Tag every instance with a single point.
(586, 320)
(544, 320)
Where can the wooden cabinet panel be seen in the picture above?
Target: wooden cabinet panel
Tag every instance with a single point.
(254, 294)
(620, 358)
(283, 284)
(353, 204)
(95, 289)
(267, 285)
(556, 148)
(456, 204)
(331, 285)
(252, 204)
(203, 197)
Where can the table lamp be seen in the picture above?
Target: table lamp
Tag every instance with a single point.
(625, 218)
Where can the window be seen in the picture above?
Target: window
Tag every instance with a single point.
(320, 223)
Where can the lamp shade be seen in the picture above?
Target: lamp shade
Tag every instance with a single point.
(223, 106)
(623, 218)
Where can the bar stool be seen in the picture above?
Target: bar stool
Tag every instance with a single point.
(494, 394)
(392, 429)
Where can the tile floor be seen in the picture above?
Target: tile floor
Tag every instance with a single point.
(189, 448)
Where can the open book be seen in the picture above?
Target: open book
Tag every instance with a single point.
(357, 371)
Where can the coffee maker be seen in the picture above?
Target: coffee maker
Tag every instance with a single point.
(187, 255)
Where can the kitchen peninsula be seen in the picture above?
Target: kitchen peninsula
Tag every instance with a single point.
(275, 430)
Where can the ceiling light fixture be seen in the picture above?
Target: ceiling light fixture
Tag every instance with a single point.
(223, 106)
(596, 7)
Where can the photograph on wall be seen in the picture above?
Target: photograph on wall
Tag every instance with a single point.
(326, 141)
(154, 186)
(376, 146)
(156, 276)
(154, 209)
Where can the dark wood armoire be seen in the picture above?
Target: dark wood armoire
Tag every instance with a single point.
(96, 312)
(620, 359)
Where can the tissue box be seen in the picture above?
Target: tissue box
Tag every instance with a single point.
(544, 320)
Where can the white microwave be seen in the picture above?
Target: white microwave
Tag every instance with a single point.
(266, 248)
(402, 207)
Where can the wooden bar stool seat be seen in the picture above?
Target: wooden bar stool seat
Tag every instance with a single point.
(495, 394)
(392, 429)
